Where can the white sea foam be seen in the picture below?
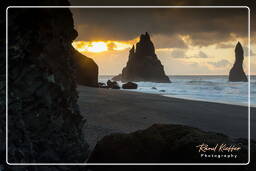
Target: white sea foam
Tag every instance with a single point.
(205, 88)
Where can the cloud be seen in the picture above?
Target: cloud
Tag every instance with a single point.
(182, 54)
(220, 64)
(202, 55)
(174, 41)
(245, 48)
(225, 45)
(111, 46)
(203, 26)
(178, 54)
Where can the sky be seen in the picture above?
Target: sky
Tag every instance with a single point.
(188, 41)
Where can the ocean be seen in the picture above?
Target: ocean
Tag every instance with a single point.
(202, 88)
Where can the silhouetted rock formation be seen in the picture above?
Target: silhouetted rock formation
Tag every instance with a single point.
(143, 64)
(102, 85)
(86, 70)
(113, 84)
(237, 71)
(130, 85)
(166, 144)
(44, 121)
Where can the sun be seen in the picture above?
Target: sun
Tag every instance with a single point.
(97, 47)
(102, 46)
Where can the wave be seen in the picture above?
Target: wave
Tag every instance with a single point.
(217, 89)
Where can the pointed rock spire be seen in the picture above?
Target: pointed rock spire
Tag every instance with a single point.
(143, 64)
(238, 47)
(132, 50)
(237, 72)
(147, 37)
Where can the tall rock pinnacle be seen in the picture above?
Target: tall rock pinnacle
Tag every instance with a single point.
(237, 73)
(143, 64)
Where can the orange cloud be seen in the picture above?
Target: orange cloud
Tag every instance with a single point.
(102, 46)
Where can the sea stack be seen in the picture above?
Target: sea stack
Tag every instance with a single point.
(143, 64)
(237, 72)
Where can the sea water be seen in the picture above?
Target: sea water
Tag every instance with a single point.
(203, 88)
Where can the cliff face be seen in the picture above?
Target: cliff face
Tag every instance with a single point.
(86, 70)
(143, 64)
(44, 121)
(237, 72)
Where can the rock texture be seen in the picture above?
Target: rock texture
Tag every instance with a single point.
(237, 72)
(86, 70)
(166, 144)
(113, 84)
(130, 85)
(143, 64)
(45, 124)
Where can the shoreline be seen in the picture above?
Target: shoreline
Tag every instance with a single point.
(214, 90)
(213, 101)
(117, 111)
(199, 100)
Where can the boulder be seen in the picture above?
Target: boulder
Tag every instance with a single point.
(167, 143)
(113, 84)
(102, 85)
(86, 70)
(143, 64)
(237, 72)
(130, 85)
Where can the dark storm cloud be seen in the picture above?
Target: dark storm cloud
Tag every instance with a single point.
(204, 26)
(163, 41)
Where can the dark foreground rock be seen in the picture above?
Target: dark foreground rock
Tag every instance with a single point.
(143, 64)
(237, 72)
(86, 70)
(130, 85)
(44, 121)
(167, 144)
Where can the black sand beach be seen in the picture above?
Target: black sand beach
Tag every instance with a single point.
(110, 111)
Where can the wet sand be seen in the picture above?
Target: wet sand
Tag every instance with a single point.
(108, 111)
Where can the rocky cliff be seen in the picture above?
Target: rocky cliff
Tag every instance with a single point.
(86, 70)
(143, 64)
(44, 121)
(237, 72)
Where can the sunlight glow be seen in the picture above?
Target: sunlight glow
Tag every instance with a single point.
(97, 47)
(102, 46)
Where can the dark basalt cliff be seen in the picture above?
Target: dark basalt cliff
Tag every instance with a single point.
(237, 72)
(44, 121)
(86, 70)
(143, 64)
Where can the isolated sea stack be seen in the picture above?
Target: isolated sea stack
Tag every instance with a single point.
(143, 64)
(237, 72)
